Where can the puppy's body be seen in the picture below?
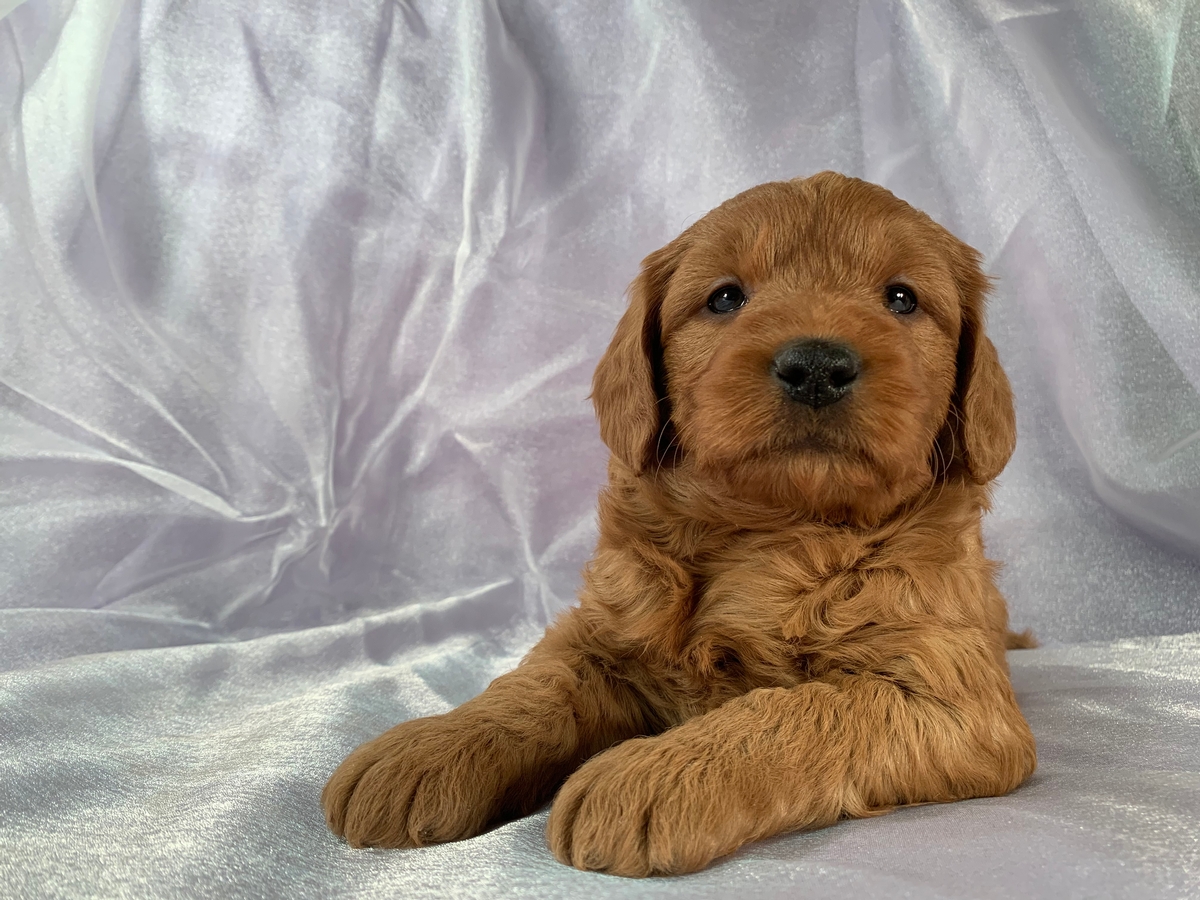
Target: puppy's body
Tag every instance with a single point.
(789, 617)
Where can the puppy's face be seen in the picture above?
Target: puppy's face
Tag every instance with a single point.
(814, 345)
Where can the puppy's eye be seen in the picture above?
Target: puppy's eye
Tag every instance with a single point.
(900, 299)
(726, 299)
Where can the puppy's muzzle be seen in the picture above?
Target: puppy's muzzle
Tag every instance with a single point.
(815, 372)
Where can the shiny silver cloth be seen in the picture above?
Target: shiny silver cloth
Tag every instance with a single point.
(299, 302)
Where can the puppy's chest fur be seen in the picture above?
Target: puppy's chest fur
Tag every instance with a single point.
(705, 617)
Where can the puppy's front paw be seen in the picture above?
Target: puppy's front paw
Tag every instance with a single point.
(649, 806)
(423, 782)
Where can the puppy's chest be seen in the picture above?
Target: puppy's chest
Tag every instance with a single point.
(756, 614)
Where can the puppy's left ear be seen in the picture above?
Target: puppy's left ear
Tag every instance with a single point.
(628, 389)
(986, 423)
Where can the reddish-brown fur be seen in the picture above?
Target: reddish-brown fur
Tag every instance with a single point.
(789, 618)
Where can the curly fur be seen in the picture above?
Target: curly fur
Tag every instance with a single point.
(789, 618)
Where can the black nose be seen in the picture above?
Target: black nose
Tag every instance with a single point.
(816, 373)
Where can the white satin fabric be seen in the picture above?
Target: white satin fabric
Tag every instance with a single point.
(299, 303)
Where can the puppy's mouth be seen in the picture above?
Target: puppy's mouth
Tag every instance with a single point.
(812, 443)
(828, 430)
(782, 429)
(790, 442)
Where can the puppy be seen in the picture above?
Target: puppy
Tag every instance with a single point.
(789, 618)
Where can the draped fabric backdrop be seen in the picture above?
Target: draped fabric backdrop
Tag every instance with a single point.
(299, 304)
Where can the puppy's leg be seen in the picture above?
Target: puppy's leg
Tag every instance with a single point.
(939, 724)
(501, 754)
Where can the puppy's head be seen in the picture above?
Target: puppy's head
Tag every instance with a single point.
(815, 345)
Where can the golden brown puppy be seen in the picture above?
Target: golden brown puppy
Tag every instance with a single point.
(789, 618)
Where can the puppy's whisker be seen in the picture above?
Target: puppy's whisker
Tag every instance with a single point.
(661, 454)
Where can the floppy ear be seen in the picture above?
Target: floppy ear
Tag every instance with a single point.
(629, 389)
(982, 417)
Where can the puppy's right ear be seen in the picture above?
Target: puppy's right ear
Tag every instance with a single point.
(628, 389)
